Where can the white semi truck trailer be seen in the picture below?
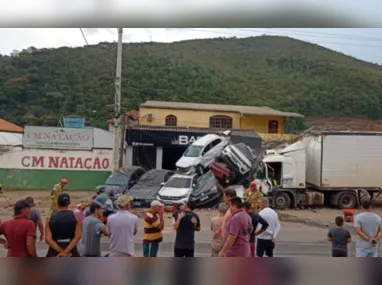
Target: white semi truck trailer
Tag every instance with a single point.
(328, 168)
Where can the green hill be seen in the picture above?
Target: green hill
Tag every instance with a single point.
(39, 86)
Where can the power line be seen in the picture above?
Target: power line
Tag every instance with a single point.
(83, 35)
(333, 35)
(259, 31)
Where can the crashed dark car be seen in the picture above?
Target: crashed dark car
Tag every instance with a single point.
(233, 164)
(148, 186)
(121, 180)
(207, 191)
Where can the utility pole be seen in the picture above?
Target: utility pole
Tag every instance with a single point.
(118, 119)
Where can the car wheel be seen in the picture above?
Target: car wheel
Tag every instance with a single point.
(200, 169)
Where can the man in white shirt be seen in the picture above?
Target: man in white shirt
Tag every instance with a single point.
(267, 240)
(122, 227)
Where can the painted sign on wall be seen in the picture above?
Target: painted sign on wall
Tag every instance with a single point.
(58, 138)
(96, 160)
(40, 169)
(65, 162)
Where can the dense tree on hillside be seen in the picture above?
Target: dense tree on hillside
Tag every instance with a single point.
(40, 86)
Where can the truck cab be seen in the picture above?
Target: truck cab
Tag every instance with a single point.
(281, 173)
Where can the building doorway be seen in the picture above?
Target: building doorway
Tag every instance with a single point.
(144, 156)
(171, 155)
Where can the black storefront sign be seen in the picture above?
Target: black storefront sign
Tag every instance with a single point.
(139, 137)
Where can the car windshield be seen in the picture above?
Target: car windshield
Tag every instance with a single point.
(204, 179)
(178, 182)
(118, 179)
(193, 151)
(260, 172)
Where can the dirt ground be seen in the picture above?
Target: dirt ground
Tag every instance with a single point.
(314, 217)
(41, 200)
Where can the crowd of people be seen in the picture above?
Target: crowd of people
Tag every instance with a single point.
(246, 227)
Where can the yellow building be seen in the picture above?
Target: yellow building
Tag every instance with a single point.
(267, 122)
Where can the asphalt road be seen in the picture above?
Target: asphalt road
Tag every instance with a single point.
(283, 249)
(295, 240)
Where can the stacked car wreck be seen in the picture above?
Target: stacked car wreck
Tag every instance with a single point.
(320, 168)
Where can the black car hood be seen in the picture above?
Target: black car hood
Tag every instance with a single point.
(144, 192)
(206, 188)
(149, 184)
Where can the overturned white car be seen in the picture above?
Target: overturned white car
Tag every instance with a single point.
(201, 153)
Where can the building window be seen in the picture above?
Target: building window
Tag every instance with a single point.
(171, 121)
(221, 122)
(273, 127)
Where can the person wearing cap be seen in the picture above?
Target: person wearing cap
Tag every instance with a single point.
(253, 196)
(153, 226)
(92, 230)
(57, 190)
(20, 232)
(185, 222)
(122, 227)
(216, 224)
(63, 230)
(35, 217)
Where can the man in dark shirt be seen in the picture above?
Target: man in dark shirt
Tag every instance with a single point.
(186, 222)
(256, 219)
(339, 237)
(35, 217)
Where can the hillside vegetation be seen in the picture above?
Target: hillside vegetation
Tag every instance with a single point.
(39, 86)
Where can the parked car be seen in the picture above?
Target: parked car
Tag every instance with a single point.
(121, 180)
(233, 164)
(148, 186)
(201, 153)
(203, 190)
(207, 190)
(177, 189)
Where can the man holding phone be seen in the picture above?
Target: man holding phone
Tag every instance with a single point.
(185, 222)
(368, 228)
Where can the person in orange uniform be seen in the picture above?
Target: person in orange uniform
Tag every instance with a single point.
(253, 196)
(57, 190)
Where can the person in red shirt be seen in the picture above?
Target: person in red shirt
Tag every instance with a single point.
(20, 232)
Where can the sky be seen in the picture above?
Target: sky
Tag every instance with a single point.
(362, 43)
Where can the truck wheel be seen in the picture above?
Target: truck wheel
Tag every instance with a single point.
(347, 201)
(282, 201)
